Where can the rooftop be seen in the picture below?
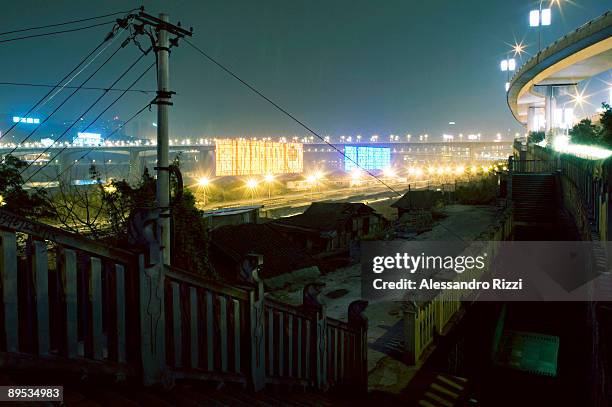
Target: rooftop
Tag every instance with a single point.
(325, 216)
(280, 255)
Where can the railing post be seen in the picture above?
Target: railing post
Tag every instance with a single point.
(358, 323)
(95, 296)
(40, 271)
(256, 326)
(144, 233)
(8, 272)
(152, 322)
(313, 305)
(410, 333)
(69, 287)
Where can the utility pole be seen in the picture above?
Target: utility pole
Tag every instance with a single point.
(162, 50)
(163, 28)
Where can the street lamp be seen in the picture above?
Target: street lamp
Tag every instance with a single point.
(269, 178)
(251, 184)
(203, 183)
(538, 18)
(508, 65)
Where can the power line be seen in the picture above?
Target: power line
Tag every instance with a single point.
(46, 85)
(25, 37)
(66, 100)
(41, 100)
(114, 37)
(148, 105)
(91, 107)
(68, 22)
(94, 120)
(284, 111)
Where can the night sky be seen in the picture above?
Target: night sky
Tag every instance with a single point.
(342, 66)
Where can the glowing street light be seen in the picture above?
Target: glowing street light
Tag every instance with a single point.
(579, 98)
(2, 201)
(508, 64)
(269, 178)
(540, 18)
(518, 48)
(110, 188)
(204, 183)
(251, 183)
(389, 172)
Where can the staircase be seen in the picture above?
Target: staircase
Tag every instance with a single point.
(534, 198)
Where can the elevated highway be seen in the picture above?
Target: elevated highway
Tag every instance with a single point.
(579, 55)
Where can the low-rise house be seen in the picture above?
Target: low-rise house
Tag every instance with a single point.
(331, 226)
(416, 201)
(232, 216)
(231, 244)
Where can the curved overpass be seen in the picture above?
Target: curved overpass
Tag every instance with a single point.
(581, 54)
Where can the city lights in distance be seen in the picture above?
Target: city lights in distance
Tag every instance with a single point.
(27, 120)
(87, 139)
(389, 172)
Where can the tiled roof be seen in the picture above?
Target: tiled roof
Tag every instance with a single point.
(280, 255)
(424, 199)
(324, 216)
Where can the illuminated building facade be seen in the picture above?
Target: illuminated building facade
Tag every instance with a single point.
(368, 158)
(88, 139)
(257, 157)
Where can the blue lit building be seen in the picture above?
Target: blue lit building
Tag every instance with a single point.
(368, 158)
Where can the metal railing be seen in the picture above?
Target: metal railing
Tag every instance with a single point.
(533, 166)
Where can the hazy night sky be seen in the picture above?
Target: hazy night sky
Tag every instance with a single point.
(342, 66)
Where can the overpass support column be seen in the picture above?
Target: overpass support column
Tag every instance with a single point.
(135, 170)
(549, 108)
(531, 119)
(63, 166)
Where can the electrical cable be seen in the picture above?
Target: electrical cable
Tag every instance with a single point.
(66, 100)
(25, 37)
(41, 100)
(68, 22)
(94, 120)
(91, 106)
(110, 135)
(47, 85)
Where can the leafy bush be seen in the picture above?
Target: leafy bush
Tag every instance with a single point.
(585, 132)
(480, 192)
(536, 136)
(30, 204)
